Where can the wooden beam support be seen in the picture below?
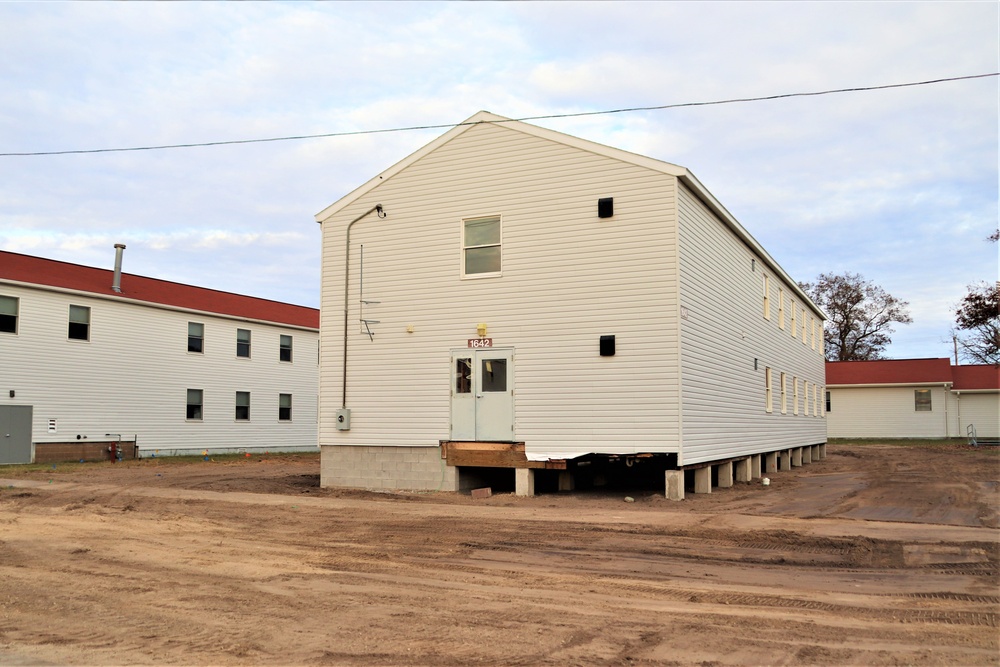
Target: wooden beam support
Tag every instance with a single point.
(492, 455)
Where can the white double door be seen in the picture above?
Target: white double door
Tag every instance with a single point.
(482, 394)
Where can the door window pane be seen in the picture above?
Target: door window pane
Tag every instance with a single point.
(494, 375)
(463, 376)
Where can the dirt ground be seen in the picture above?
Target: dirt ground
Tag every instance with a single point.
(878, 555)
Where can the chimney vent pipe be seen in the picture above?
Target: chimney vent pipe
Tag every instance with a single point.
(117, 284)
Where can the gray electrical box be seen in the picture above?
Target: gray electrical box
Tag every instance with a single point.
(344, 419)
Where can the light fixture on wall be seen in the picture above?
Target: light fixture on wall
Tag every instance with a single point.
(481, 329)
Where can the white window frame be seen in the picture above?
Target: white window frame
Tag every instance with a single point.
(249, 344)
(499, 244)
(768, 391)
(237, 406)
(71, 321)
(16, 314)
(289, 406)
(282, 348)
(201, 338)
(200, 404)
(766, 288)
(781, 308)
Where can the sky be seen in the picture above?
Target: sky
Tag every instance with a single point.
(898, 185)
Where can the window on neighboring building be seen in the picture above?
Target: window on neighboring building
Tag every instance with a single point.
(242, 406)
(795, 395)
(827, 401)
(284, 407)
(8, 314)
(242, 342)
(766, 288)
(79, 322)
(768, 398)
(781, 308)
(285, 349)
(922, 400)
(196, 337)
(784, 395)
(194, 403)
(481, 251)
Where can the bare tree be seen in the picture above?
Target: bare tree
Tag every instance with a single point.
(862, 315)
(977, 315)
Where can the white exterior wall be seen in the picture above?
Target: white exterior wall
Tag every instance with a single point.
(568, 278)
(887, 412)
(132, 376)
(723, 331)
(980, 408)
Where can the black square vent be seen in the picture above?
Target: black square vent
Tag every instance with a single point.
(608, 346)
(605, 207)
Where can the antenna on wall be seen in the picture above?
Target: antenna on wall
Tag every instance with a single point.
(365, 323)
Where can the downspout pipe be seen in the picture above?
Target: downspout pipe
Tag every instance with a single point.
(377, 208)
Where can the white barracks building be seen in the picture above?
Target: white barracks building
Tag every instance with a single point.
(515, 307)
(93, 359)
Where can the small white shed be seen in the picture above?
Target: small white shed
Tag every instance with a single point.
(513, 298)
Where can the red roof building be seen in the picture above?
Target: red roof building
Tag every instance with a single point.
(40, 271)
(912, 398)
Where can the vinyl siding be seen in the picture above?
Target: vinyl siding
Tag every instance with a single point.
(981, 409)
(568, 278)
(723, 332)
(886, 412)
(132, 375)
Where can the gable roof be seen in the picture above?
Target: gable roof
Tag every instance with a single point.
(38, 271)
(912, 372)
(683, 174)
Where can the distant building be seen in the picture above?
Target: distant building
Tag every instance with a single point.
(532, 303)
(90, 357)
(911, 398)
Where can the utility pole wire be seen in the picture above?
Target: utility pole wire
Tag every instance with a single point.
(511, 120)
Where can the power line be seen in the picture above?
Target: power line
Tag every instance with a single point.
(511, 120)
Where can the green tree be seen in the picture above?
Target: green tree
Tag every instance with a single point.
(862, 315)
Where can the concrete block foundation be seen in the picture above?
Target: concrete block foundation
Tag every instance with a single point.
(743, 470)
(524, 482)
(675, 484)
(401, 468)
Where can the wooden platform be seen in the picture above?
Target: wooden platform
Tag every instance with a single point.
(492, 455)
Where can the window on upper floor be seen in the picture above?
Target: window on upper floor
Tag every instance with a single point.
(79, 322)
(812, 331)
(285, 348)
(243, 343)
(8, 314)
(805, 328)
(284, 407)
(794, 323)
(196, 337)
(195, 399)
(781, 308)
(922, 400)
(243, 406)
(481, 249)
(766, 289)
(768, 398)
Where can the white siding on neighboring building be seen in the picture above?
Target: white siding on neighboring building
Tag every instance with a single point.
(727, 342)
(979, 408)
(132, 376)
(568, 277)
(886, 412)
